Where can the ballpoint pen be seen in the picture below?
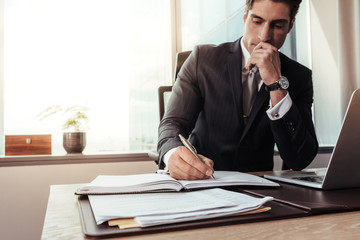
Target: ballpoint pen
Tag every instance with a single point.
(192, 149)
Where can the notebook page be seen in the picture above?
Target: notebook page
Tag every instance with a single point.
(130, 183)
(229, 178)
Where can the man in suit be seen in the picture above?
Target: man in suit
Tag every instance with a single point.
(209, 103)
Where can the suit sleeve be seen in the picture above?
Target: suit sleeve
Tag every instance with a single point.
(294, 134)
(183, 108)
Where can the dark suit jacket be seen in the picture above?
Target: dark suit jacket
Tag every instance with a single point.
(206, 104)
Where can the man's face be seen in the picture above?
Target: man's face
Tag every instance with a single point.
(267, 21)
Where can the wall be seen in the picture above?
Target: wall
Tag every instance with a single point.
(325, 59)
(25, 191)
(1, 77)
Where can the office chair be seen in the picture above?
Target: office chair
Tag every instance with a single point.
(163, 92)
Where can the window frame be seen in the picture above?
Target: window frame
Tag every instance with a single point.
(16, 161)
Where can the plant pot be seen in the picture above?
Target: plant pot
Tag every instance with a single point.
(74, 142)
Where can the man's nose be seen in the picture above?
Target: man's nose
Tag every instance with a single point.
(265, 34)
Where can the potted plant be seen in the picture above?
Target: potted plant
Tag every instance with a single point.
(75, 125)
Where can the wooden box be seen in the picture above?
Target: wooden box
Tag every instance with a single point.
(27, 144)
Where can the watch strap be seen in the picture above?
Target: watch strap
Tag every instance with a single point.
(272, 87)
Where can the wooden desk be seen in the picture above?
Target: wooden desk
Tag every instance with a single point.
(62, 222)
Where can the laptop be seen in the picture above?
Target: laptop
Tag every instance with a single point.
(343, 170)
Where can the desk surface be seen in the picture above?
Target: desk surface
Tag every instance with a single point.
(62, 222)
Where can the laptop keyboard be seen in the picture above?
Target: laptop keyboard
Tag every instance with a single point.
(316, 179)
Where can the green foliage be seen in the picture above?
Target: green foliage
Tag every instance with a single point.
(76, 117)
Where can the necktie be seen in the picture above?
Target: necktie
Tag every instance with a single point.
(250, 89)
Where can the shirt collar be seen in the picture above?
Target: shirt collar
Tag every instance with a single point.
(245, 53)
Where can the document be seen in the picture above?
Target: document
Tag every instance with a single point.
(242, 203)
(150, 209)
(152, 182)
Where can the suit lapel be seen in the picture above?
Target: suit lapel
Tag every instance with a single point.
(262, 98)
(234, 70)
(234, 75)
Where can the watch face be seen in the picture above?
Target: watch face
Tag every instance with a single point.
(284, 83)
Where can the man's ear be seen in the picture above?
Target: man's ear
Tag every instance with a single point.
(291, 24)
(245, 15)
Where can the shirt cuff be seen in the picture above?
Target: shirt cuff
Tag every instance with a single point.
(167, 157)
(279, 110)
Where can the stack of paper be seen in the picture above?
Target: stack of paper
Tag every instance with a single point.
(150, 209)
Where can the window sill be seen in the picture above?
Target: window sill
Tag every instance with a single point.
(13, 161)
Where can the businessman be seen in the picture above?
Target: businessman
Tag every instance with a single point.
(235, 101)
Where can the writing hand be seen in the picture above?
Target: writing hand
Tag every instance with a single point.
(183, 165)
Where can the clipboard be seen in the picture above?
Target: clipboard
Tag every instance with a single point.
(315, 201)
(92, 230)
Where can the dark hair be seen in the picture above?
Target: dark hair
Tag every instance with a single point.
(293, 4)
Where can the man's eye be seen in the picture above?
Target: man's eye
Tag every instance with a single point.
(279, 25)
(256, 21)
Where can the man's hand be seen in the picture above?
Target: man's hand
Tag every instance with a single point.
(183, 165)
(266, 58)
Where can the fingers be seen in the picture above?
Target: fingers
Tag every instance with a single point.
(266, 58)
(207, 161)
(184, 165)
(263, 53)
(265, 45)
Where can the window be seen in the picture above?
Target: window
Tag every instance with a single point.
(210, 21)
(108, 56)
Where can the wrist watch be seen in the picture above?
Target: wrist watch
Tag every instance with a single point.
(282, 83)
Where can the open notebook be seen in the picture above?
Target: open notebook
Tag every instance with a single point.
(152, 182)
